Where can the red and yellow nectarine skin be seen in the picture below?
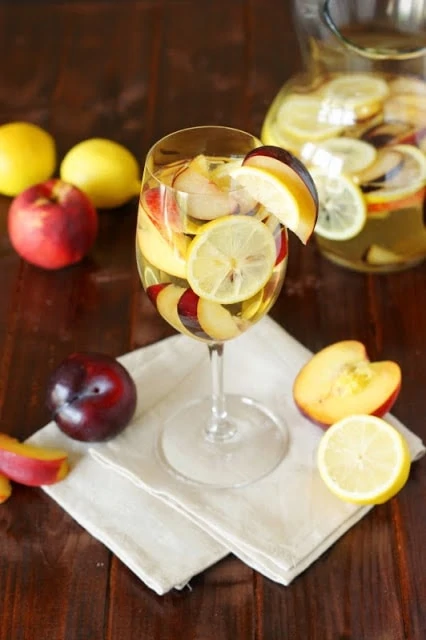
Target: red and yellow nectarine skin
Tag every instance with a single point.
(31, 465)
(340, 380)
(52, 224)
(5, 488)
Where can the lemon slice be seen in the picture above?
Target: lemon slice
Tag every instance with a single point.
(231, 259)
(342, 209)
(342, 155)
(308, 118)
(363, 459)
(357, 93)
(282, 184)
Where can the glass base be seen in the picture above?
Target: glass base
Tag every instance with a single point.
(256, 446)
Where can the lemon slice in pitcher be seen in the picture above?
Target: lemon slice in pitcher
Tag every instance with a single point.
(347, 155)
(342, 209)
(359, 94)
(308, 118)
(231, 259)
(363, 459)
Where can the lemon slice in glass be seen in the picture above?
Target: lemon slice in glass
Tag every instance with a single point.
(345, 155)
(342, 209)
(357, 93)
(231, 259)
(363, 459)
(308, 118)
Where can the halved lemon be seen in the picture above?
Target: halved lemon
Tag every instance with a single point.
(231, 259)
(308, 118)
(344, 155)
(342, 209)
(357, 93)
(282, 184)
(363, 459)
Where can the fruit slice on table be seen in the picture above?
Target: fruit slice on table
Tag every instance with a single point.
(343, 155)
(308, 118)
(166, 256)
(31, 465)
(231, 259)
(398, 172)
(105, 170)
(199, 197)
(5, 488)
(283, 185)
(27, 156)
(363, 459)
(357, 94)
(342, 210)
(340, 380)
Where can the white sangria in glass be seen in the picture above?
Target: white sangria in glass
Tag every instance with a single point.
(357, 119)
(211, 249)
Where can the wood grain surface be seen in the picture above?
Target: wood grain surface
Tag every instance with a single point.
(133, 71)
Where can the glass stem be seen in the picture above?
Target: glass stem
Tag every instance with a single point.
(219, 427)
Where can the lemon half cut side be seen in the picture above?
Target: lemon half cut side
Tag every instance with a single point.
(363, 459)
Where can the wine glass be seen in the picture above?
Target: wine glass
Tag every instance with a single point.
(212, 260)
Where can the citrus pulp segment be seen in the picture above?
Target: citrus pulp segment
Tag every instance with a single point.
(342, 210)
(231, 259)
(363, 459)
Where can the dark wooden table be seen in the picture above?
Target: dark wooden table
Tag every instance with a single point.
(133, 71)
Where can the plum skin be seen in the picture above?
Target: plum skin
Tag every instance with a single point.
(91, 396)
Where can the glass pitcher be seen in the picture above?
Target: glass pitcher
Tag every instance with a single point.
(357, 117)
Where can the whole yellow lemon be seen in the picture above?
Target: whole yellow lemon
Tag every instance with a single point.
(27, 156)
(106, 171)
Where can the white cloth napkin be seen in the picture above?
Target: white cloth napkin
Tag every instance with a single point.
(165, 530)
(278, 525)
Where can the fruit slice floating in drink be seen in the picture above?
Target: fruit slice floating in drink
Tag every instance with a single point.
(398, 173)
(306, 118)
(363, 459)
(342, 155)
(231, 260)
(357, 96)
(342, 210)
(166, 256)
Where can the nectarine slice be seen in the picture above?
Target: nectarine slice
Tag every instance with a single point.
(340, 381)
(31, 465)
(5, 488)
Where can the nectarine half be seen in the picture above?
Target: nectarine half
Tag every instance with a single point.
(340, 380)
